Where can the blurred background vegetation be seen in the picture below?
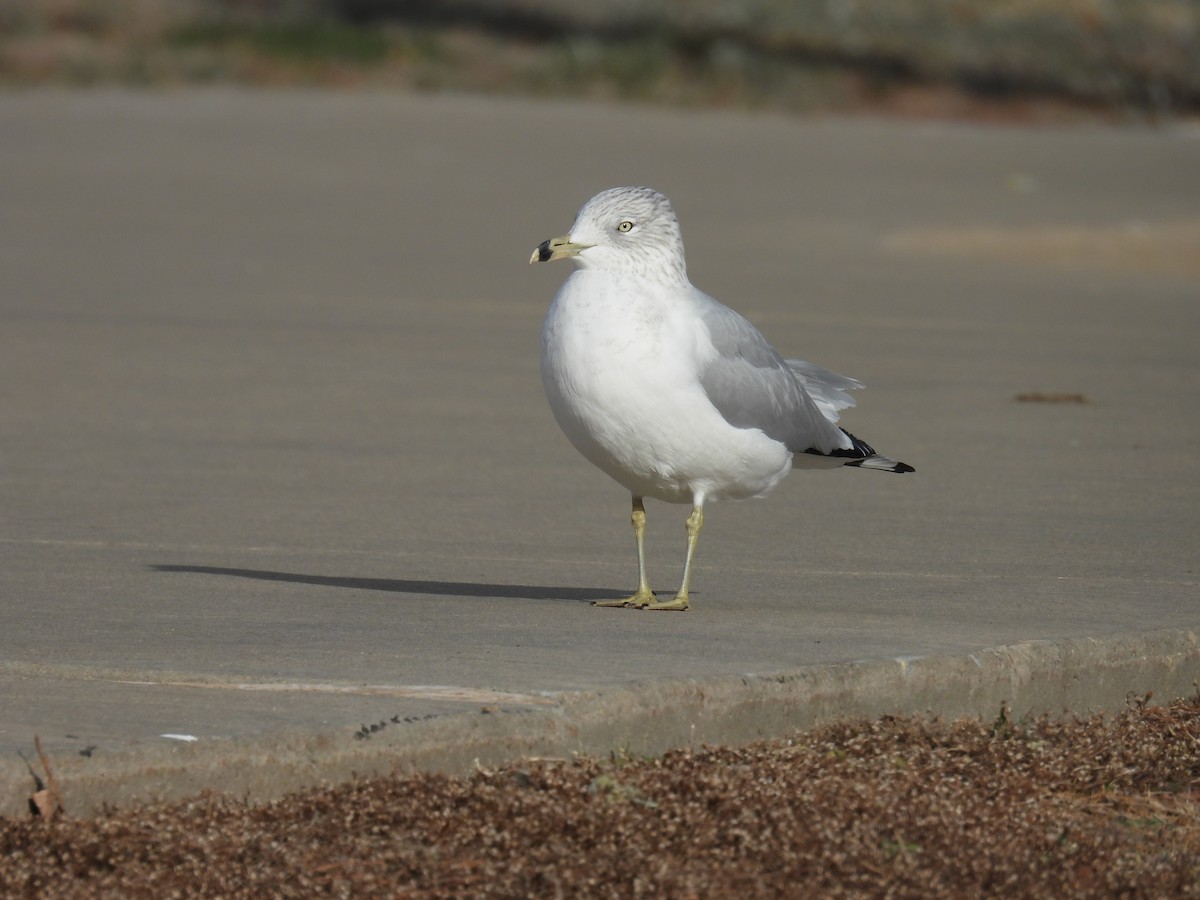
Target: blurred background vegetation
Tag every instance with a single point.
(918, 56)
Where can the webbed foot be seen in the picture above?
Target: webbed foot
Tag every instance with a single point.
(679, 604)
(641, 598)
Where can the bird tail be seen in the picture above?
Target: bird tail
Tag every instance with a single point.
(862, 455)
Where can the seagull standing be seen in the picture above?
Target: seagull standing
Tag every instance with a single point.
(674, 395)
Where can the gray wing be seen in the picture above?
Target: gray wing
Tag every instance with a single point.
(752, 386)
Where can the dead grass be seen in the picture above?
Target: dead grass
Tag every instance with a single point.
(899, 807)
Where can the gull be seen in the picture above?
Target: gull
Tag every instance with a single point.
(672, 394)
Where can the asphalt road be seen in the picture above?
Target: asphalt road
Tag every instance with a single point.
(270, 412)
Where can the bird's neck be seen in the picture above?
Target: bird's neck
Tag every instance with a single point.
(668, 273)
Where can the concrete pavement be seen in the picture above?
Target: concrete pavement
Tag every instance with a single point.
(275, 464)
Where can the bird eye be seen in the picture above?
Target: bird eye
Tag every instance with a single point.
(625, 226)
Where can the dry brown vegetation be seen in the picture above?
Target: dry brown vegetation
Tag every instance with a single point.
(899, 807)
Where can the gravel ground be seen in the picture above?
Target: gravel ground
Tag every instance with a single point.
(899, 807)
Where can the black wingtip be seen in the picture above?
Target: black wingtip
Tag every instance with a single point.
(872, 460)
(860, 450)
(863, 456)
(882, 464)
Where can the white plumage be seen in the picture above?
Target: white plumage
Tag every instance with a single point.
(673, 395)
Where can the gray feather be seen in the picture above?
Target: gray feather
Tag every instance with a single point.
(828, 389)
(752, 386)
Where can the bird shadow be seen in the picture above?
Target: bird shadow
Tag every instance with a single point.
(408, 586)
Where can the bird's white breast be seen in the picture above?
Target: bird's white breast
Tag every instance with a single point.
(620, 364)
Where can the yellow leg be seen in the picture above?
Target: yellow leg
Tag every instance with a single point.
(643, 595)
(694, 523)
